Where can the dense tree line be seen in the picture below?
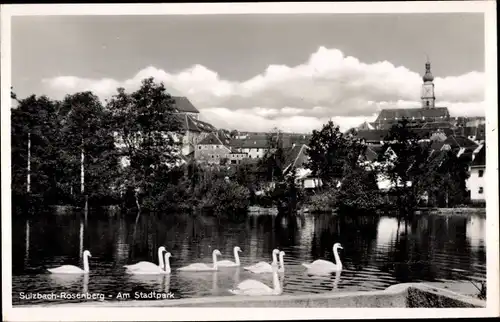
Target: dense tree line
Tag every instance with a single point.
(417, 175)
(126, 151)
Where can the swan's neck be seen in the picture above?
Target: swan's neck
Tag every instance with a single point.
(337, 258)
(214, 258)
(85, 263)
(236, 257)
(276, 282)
(167, 265)
(282, 263)
(275, 259)
(160, 259)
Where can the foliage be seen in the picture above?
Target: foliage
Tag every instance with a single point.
(445, 180)
(146, 127)
(415, 170)
(324, 201)
(35, 123)
(405, 160)
(220, 196)
(273, 162)
(358, 192)
(88, 137)
(287, 195)
(332, 154)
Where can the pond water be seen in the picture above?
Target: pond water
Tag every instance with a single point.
(377, 252)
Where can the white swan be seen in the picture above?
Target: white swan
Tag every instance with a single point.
(256, 288)
(71, 269)
(201, 267)
(148, 266)
(263, 267)
(321, 266)
(227, 263)
(155, 269)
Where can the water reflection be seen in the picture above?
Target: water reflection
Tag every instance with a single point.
(206, 282)
(475, 232)
(159, 283)
(27, 248)
(378, 252)
(79, 282)
(387, 231)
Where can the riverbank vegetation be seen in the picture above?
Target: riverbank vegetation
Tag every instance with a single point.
(126, 151)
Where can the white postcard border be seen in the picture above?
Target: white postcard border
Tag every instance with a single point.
(175, 314)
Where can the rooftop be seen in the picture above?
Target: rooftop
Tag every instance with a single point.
(189, 123)
(211, 139)
(412, 113)
(456, 141)
(295, 156)
(183, 104)
(480, 158)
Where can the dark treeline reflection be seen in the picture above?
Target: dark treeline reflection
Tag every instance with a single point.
(378, 251)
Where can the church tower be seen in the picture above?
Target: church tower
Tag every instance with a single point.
(428, 98)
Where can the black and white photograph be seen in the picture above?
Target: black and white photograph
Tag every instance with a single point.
(284, 156)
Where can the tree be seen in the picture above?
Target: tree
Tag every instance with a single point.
(148, 133)
(92, 163)
(358, 192)
(34, 146)
(332, 154)
(445, 180)
(406, 161)
(273, 161)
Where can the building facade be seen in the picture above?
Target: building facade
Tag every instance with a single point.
(192, 129)
(211, 150)
(477, 182)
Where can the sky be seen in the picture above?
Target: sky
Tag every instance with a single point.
(257, 72)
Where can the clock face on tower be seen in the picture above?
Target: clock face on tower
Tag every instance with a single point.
(427, 91)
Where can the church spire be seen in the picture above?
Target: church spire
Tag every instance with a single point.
(428, 98)
(428, 75)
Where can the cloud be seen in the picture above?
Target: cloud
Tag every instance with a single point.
(327, 86)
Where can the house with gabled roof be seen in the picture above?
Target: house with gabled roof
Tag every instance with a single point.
(255, 146)
(193, 130)
(214, 149)
(211, 150)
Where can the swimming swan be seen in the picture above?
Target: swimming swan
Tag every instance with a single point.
(155, 269)
(148, 266)
(200, 267)
(227, 263)
(322, 266)
(256, 288)
(263, 267)
(71, 269)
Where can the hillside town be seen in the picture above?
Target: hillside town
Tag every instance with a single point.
(465, 136)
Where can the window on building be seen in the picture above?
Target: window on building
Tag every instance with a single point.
(199, 147)
(481, 173)
(481, 190)
(427, 103)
